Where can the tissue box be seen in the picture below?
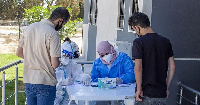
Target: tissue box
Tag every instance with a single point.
(106, 83)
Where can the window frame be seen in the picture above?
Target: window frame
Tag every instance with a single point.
(136, 9)
(92, 16)
(121, 15)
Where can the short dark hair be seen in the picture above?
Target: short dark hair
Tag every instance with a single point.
(67, 39)
(60, 12)
(140, 19)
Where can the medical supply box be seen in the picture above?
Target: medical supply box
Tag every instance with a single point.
(106, 83)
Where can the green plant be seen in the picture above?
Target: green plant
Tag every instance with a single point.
(36, 13)
(70, 28)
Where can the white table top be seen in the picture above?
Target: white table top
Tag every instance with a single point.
(80, 92)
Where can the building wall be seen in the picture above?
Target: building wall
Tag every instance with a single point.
(85, 29)
(106, 26)
(89, 35)
(106, 21)
(179, 21)
(92, 32)
(126, 34)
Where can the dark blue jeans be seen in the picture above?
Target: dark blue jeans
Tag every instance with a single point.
(151, 101)
(38, 94)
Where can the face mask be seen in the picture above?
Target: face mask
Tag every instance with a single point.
(138, 35)
(107, 58)
(137, 32)
(58, 27)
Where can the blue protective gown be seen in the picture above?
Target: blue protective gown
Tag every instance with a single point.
(122, 67)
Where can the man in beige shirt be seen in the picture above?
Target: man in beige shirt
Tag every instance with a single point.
(40, 48)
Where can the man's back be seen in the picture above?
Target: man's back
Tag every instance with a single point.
(39, 46)
(154, 50)
(41, 41)
(152, 53)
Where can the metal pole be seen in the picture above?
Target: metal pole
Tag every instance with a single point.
(19, 14)
(16, 85)
(196, 98)
(181, 94)
(4, 88)
(82, 65)
(19, 22)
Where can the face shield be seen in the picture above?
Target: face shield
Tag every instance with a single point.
(68, 54)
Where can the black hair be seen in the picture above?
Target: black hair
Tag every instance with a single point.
(60, 12)
(67, 39)
(140, 19)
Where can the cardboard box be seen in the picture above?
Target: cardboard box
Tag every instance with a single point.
(106, 83)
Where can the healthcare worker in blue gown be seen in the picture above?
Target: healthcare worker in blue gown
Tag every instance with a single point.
(112, 64)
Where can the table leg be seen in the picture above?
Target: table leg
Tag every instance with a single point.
(69, 102)
(129, 102)
(112, 102)
(87, 102)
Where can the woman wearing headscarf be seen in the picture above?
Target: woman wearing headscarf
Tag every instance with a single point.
(112, 64)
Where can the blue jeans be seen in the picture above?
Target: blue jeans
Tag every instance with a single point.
(151, 101)
(38, 94)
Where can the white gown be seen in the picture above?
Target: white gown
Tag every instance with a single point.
(67, 73)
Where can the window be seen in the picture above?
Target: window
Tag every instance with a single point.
(121, 13)
(93, 12)
(132, 9)
(96, 11)
(134, 6)
(90, 12)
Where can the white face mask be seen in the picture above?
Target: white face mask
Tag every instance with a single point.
(107, 58)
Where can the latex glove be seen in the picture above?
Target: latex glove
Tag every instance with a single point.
(86, 79)
(68, 81)
(119, 81)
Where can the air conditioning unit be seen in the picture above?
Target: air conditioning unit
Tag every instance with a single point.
(123, 46)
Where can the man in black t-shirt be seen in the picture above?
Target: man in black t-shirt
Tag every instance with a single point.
(154, 62)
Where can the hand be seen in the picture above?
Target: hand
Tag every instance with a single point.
(86, 79)
(119, 81)
(167, 93)
(138, 94)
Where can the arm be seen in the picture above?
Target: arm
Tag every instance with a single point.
(128, 65)
(171, 71)
(94, 72)
(138, 77)
(19, 52)
(55, 50)
(55, 62)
